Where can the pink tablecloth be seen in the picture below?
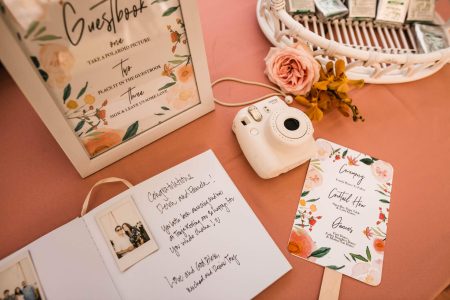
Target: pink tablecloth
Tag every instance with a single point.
(406, 124)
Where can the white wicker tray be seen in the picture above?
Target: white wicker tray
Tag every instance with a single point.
(375, 53)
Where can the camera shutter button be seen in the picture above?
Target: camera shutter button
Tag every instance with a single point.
(254, 112)
(254, 131)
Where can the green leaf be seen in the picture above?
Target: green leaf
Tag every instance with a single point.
(82, 91)
(35, 61)
(313, 200)
(48, 37)
(369, 256)
(382, 193)
(345, 153)
(90, 129)
(347, 258)
(165, 108)
(159, 114)
(357, 256)
(31, 28)
(158, 1)
(367, 161)
(131, 131)
(93, 133)
(305, 193)
(44, 74)
(384, 201)
(178, 55)
(322, 251)
(170, 11)
(173, 76)
(177, 61)
(335, 151)
(166, 86)
(41, 30)
(67, 91)
(79, 125)
(332, 267)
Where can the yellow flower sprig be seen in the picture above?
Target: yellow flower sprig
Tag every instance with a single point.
(331, 92)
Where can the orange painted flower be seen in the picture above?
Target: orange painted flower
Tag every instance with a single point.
(313, 208)
(72, 104)
(185, 73)
(379, 244)
(101, 140)
(352, 161)
(89, 99)
(101, 114)
(300, 243)
(302, 202)
(168, 70)
(368, 232)
(174, 36)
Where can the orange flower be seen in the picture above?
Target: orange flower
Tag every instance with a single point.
(300, 243)
(174, 36)
(167, 70)
(313, 208)
(101, 114)
(379, 244)
(368, 232)
(302, 202)
(352, 161)
(185, 73)
(89, 99)
(72, 104)
(101, 140)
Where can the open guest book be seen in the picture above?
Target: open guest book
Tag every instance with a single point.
(186, 233)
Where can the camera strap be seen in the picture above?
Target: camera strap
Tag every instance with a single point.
(287, 98)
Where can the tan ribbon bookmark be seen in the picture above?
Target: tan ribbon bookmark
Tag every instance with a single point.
(105, 180)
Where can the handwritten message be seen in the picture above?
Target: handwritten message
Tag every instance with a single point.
(189, 223)
(202, 270)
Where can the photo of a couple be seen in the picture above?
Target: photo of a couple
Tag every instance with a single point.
(19, 281)
(128, 238)
(126, 233)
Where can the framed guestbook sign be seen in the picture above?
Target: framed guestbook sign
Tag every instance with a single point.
(107, 77)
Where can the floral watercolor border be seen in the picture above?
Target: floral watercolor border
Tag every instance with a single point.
(361, 266)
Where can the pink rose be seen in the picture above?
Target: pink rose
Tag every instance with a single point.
(294, 70)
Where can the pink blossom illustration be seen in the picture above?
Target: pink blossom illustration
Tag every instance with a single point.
(313, 179)
(382, 171)
(368, 272)
(324, 149)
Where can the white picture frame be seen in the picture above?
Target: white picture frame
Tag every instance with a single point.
(29, 80)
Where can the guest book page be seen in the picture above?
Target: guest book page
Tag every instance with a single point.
(342, 216)
(210, 243)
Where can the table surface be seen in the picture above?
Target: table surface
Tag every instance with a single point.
(406, 124)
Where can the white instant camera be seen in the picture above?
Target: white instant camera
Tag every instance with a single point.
(274, 137)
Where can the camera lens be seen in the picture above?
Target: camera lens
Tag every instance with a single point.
(291, 124)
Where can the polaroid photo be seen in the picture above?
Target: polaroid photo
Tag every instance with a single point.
(19, 280)
(126, 233)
